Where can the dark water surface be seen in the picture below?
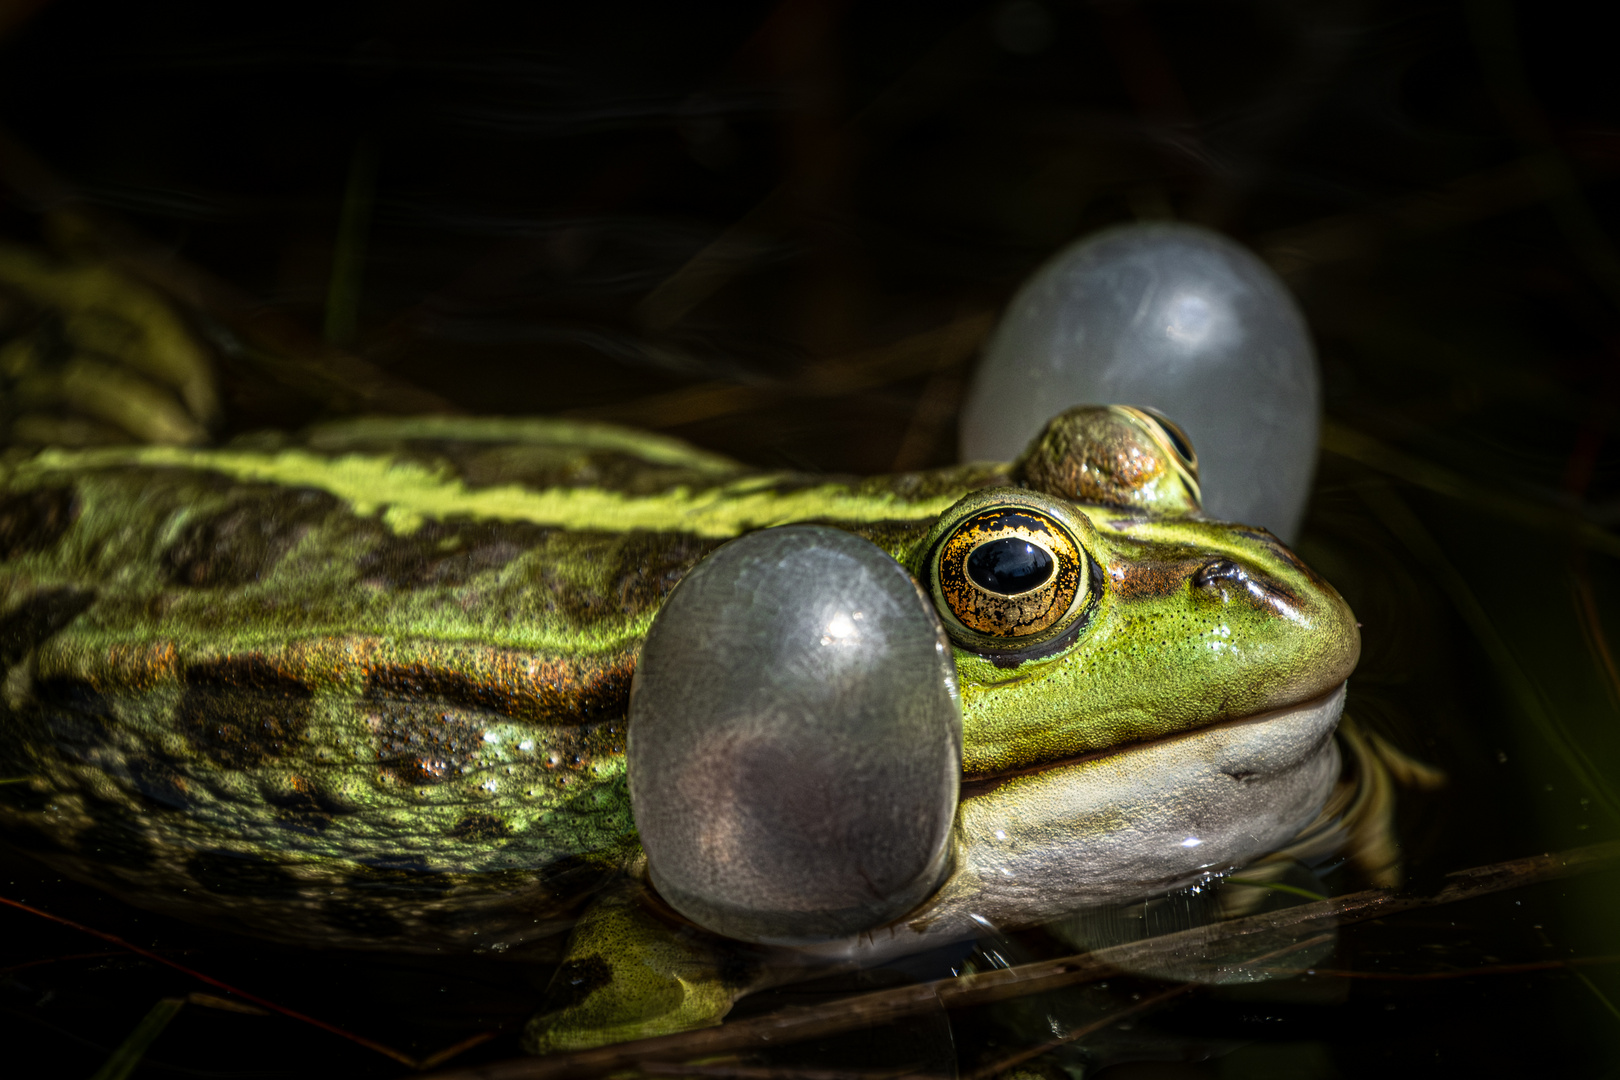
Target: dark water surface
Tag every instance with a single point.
(507, 191)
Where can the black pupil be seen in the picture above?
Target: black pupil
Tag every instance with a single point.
(1009, 565)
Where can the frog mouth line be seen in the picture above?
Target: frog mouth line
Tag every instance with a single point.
(976, 786)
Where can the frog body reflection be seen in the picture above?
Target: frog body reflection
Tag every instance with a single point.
(367, 687)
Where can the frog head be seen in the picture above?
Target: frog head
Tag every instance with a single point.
(1094, 606)
(1146, 695)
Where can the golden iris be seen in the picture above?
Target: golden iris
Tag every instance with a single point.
(1010, 572)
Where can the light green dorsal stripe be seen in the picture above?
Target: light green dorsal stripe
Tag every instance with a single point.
(529, 431)
(407, 493)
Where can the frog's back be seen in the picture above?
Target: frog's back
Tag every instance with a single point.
(366, 685)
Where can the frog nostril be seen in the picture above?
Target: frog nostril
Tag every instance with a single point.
(1218, 570)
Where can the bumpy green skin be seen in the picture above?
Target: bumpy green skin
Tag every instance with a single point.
(367, 687)
(635, 970)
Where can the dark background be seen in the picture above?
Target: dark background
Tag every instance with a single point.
(519, 192)
(872, 170)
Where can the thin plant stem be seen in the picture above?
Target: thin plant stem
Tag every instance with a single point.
(127, 1057)
(369, 1044)
(885, 1006)
(1599, 994)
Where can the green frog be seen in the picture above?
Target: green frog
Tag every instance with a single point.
(367, 686)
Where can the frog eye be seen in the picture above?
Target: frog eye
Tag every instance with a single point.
(1008, 576)
(1173, 437)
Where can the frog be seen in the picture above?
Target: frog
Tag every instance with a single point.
(367, 686)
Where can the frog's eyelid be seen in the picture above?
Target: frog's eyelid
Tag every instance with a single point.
(1175, 436)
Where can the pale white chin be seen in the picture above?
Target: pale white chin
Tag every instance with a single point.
(1126, 825)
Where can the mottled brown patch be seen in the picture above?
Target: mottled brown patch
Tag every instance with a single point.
(158, 781)
(641, 569)
(122, 667)
(480, 827)
(34, 520)
(1106, 456)
(305, 808)
(424, 741)
(447, 553)
(242, 542)
(36, 618)
(649, 565)
(555, 690)
(1152, 579)
(242, 712)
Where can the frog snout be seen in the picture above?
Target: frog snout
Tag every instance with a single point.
(1212, 573)
(1296, 626)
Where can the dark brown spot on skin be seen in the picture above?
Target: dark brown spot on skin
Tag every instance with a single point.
(480, 827)
(158, 781)
(305, 809)
(425, 741)
(26, 626)
(34, 520)
(241, 543)
(576, 980)
(644, 567)
(558, 692)
(651, 564)
(242, 673)
(895, 537)
(448, 553)
(1153, 579)
(241, 712)
(920, 486)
